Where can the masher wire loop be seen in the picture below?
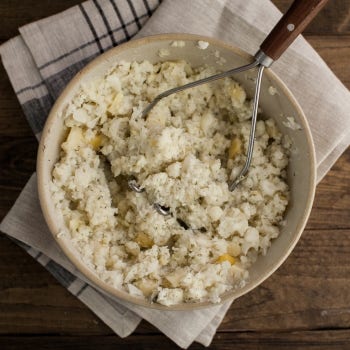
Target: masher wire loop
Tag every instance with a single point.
(292, 23)
(261, 61)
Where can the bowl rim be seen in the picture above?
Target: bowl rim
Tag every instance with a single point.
(44, 192)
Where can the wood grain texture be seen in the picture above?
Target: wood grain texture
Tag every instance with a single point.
(333, 20)
(304, 305)
(316, 340)
(335, 50)
(15, 13)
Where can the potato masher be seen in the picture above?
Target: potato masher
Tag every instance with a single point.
(293, 22)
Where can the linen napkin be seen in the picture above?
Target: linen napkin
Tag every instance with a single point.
(48, 53)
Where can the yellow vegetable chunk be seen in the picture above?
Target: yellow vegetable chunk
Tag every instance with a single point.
(237, 94)
(235, 148)
(96, 142)
(174, 279)
(147, 286)
(226, 257)
(233, 249)
(144, 240)
(116, 104)
(75, 139)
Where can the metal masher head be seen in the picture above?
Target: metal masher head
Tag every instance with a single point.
(261, 61)
(292, 23)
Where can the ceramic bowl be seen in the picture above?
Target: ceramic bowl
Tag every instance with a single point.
(278, 105)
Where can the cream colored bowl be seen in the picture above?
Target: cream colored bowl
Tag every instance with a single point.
(282, 104)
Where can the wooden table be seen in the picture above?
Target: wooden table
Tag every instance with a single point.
(304, 305)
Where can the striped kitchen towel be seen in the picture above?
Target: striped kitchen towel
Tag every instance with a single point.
(48, 53)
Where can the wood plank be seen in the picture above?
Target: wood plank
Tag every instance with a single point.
(18, 146)
(332, 200)
(336, 52)
(316, 340)
(334, 19)
(15, 14)
(17, 159)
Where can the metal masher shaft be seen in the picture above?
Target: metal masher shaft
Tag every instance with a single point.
(250, 149)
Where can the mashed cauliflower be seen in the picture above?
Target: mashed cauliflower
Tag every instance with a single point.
(184, 154)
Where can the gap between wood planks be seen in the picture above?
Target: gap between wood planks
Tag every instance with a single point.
(319, 339)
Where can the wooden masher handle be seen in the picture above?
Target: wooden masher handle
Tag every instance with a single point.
(294, 21)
